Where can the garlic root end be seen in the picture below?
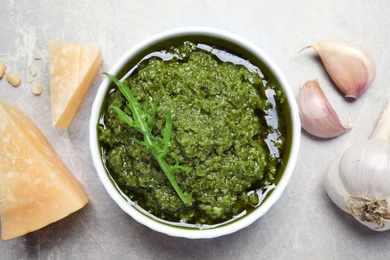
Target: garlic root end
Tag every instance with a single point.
(369, 210)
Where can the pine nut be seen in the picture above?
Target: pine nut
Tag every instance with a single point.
(37, 88)
(13, 79)
(2, 69)
(37, 56)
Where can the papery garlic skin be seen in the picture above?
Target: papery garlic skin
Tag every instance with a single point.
(317, 115)
(350, 67)
(359, 183)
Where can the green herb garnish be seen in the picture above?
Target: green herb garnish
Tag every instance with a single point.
(143, 122)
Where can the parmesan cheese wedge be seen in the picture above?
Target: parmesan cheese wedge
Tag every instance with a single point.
(72, 70)
(36, 187)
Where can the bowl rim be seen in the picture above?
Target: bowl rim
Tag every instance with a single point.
(180, 231)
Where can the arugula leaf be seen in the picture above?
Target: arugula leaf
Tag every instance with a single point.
(143, 122)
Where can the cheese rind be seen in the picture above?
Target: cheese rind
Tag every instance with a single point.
(72, 70)
(36, 187)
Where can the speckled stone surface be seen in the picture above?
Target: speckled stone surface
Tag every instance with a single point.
(303, 224)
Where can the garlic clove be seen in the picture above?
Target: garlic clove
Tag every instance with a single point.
(382, 128)
(317, 115)
(350, 67)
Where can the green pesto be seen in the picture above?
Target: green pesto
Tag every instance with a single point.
(227, 130)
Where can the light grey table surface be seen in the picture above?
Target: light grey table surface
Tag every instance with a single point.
(303, 224)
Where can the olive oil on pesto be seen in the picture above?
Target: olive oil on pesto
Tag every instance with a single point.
(229, 129)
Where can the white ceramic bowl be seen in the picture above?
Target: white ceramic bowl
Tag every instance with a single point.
(268, 67)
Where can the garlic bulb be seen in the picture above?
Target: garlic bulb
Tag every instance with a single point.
(317, 115)
(359, 181)
(350, 67)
